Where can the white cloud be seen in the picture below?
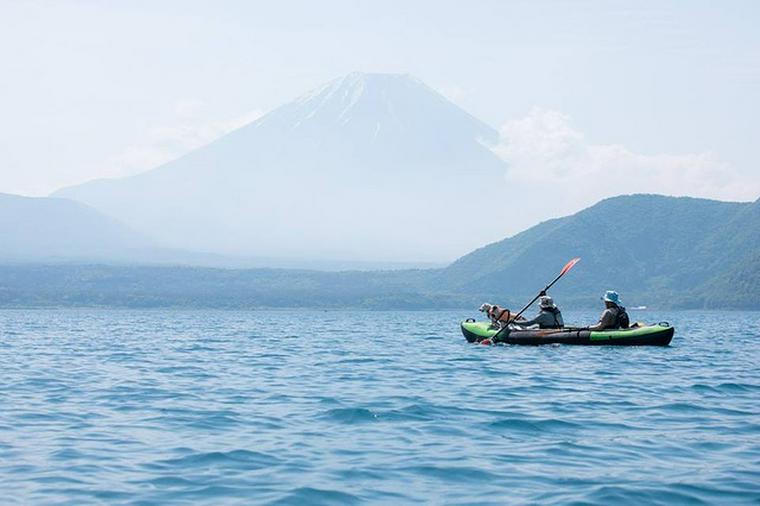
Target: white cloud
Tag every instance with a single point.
(550, 159)
(191, 130)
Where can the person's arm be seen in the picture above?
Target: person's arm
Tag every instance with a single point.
(528, 323)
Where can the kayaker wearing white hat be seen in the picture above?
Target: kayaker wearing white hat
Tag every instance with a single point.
(614, 315)
(549, 316)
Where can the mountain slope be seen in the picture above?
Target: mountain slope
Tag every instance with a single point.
(648, 247)
(54, 228)
(655, 250)
(734, 274)
(371, 167)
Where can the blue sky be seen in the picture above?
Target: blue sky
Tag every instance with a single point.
(94, 89)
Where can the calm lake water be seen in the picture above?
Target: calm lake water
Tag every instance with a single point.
(285, 407)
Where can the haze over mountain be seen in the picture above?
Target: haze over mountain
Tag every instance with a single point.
(58, 230)
(655, 250)
(369, 167)
(34, 229)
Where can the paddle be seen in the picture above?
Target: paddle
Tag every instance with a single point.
(569, 265)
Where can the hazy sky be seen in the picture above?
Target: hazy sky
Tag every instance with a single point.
(664, 91)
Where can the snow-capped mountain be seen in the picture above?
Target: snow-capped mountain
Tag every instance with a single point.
(369, 167)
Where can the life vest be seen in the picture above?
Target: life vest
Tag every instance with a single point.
(557, 314)
(622, 321)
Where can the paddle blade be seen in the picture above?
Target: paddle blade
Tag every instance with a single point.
(569, 265)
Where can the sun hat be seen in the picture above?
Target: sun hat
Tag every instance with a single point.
(546, 301)
(611, 296)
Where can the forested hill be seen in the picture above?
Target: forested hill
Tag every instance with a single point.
(656, 251)
(652, 248)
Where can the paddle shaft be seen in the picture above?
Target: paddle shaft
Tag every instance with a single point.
(546, 289)
(564, 271)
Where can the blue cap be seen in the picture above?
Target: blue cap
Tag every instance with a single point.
(611, 296)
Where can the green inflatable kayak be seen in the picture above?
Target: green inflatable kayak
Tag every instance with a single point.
(640, 335)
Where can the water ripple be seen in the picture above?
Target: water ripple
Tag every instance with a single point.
(209, 407)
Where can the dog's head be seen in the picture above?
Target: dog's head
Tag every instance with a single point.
(486, 308)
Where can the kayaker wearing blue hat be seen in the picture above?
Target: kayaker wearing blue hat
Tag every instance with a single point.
(614, 315)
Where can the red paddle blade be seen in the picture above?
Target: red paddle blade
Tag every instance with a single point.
(569, 265)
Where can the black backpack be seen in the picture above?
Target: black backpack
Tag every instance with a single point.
(622, 321)
(556, 313)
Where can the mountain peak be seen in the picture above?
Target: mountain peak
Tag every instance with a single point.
(340, 96)
(378, 115)
(326, 173)
(359, 82)
(353, 78)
